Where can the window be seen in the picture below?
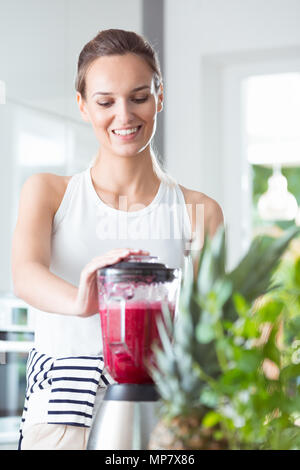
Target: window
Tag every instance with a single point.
(272, 121)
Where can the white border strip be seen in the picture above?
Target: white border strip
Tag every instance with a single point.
(2, 92)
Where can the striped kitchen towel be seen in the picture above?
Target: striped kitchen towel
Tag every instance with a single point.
(73, 383)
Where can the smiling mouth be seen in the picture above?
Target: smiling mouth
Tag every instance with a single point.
(127, 132)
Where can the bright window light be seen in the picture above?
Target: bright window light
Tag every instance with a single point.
(273, 119)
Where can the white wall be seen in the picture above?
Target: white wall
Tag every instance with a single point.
(204, 39)
(40, 42)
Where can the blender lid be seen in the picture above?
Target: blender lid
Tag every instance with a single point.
(141, 265)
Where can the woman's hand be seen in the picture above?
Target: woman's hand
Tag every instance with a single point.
(86, 302)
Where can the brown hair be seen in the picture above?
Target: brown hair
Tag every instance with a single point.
(115, 42)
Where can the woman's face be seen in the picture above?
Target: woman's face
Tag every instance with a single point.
(121, 103)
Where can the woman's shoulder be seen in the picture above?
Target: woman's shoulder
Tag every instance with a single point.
(211, 209)
(51, 185)
(196, 197)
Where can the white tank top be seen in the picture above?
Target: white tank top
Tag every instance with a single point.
(85, 227)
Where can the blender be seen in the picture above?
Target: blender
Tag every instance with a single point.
(132, 297)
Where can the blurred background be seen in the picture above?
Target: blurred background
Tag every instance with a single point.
(230, 126)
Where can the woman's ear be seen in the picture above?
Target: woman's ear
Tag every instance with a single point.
(82, 107)
(160, 99)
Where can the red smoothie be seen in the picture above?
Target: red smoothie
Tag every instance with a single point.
(127, 361)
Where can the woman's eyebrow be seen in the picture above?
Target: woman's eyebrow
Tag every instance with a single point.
(110, 93)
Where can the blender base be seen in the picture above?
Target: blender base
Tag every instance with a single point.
(125, 418)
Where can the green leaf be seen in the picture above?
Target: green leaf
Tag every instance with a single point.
(233, 380)
(270, 348)
(205, 333)
(241, 306)
(211, 261)
(209, 397)
(249, 361)
(223, 290)
(297, 272)
(270, 311)
(211, 419)
(292, 371)
(252, 276)
(251, 328)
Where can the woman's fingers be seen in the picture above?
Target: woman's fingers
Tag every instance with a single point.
(118, 253)
(86, 297)
(109, 258)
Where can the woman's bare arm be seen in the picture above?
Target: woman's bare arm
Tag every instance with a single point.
(31, 248)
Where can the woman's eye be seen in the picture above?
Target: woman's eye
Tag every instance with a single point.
(105, 105)
(140, 100)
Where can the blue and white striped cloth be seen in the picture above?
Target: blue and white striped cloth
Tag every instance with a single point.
(72, 382)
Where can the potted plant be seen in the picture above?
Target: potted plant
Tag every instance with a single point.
(227, 370)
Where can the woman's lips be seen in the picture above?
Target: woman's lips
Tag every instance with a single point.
(128, 137)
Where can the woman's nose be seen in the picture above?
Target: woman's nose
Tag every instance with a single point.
(124, 112)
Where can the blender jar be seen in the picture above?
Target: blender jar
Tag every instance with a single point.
(132, 295)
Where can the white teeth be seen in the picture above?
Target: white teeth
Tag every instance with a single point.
(125, 131)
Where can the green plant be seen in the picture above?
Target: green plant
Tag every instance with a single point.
(230, 365)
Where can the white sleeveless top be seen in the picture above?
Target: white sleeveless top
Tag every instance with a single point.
(85, 227)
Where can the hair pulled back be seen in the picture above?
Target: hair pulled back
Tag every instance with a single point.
(116, 42)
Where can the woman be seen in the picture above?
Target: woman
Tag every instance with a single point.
(69, 226)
